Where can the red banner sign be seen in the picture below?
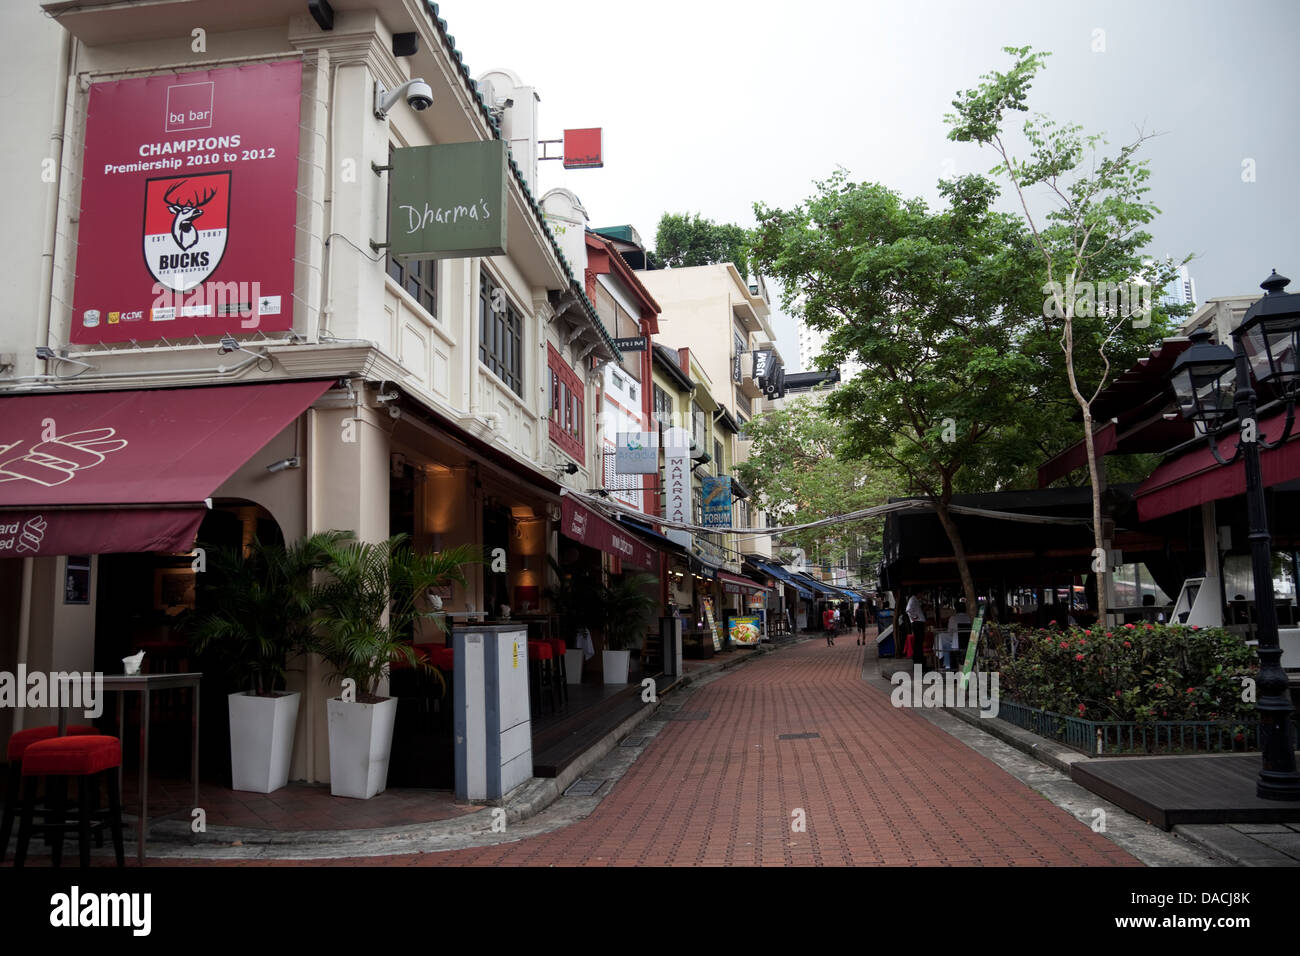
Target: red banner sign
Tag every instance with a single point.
(188, 205)
(586, 527)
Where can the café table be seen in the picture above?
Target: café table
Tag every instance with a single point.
(144, 685)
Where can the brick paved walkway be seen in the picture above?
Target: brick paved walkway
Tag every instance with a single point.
(880, 786)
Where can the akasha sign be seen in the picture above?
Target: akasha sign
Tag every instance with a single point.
(188, 205)
(448, 201)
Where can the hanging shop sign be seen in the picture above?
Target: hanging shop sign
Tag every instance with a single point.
(189, 205)
(448, 201)
(582, 148)
(716, 498)
(637, 453)
(677, 475)
(635, 343)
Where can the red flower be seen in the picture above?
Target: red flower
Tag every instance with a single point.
(1110, 633)
(1082, 709)
(1128, 644)
(1129, 626)
(1190, 689)
(1051, 623)
(1065, 643)
(1078, 657)
(1150, 628)
(1158, 686)
(1118, 694)
(1089, 633)
(1082, 641)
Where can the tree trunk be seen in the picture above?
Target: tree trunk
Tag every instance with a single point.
(958, 549)
(1085, 406)
(1098, 538)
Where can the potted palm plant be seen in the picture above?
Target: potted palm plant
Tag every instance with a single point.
(624, 608)
(257, 610)
(369, 607)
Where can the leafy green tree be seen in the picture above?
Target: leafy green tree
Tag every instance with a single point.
(691, 240)
(797, 477)
(935, 306)
(1090, 239)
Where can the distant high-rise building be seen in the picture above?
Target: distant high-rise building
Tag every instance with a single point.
(811, 343)
(1181, 290)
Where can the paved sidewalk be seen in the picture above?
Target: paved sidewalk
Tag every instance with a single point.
(877, 785)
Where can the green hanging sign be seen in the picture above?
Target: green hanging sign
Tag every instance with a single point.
(448, 201)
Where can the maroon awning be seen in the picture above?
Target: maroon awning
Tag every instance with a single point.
(1196, 477)
(734, 583)
(1076, 456)
(586, 527)
(102, 472)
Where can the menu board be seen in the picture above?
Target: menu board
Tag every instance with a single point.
(972, 647)
(745, 631)
(714, 627)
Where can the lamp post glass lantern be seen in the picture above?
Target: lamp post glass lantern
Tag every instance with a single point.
(1208, 379)
(1204, 381)
(1270, 333)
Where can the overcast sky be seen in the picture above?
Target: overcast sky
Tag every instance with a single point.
(710, 105)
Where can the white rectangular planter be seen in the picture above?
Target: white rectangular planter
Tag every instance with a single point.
(615, 666)
(361, 738)
(573, 661)
(261, 740)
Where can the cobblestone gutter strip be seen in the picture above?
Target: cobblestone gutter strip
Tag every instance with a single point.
(535, 807)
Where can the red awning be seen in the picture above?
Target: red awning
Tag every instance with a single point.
(1196, 477)
(1076, 456)
(586, 527)
(732, 583)
(103, 472)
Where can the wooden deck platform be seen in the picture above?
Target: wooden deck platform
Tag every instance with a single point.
(1167, 791)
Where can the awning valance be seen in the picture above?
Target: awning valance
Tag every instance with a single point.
(103, 472)
(586, 527)
(734, 584)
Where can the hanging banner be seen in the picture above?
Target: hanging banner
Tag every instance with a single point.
(189, 205)
(716, 496)
(637, 453)
(677, 475)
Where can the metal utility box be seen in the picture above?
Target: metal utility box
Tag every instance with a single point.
(493, 729)
(670, 639)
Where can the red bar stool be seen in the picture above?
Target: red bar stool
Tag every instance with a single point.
(540, 666)
(558, 647)
(18, 745)
(88, 758)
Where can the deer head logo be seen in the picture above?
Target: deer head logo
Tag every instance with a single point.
(183, 230)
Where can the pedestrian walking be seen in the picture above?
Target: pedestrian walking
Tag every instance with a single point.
(828, 625)
(916, 615)
(861, 620)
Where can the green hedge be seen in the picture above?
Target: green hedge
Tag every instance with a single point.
(1136, 672)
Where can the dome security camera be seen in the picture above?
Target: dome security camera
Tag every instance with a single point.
(419, 96)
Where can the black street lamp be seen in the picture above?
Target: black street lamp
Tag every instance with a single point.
(1268, 343)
